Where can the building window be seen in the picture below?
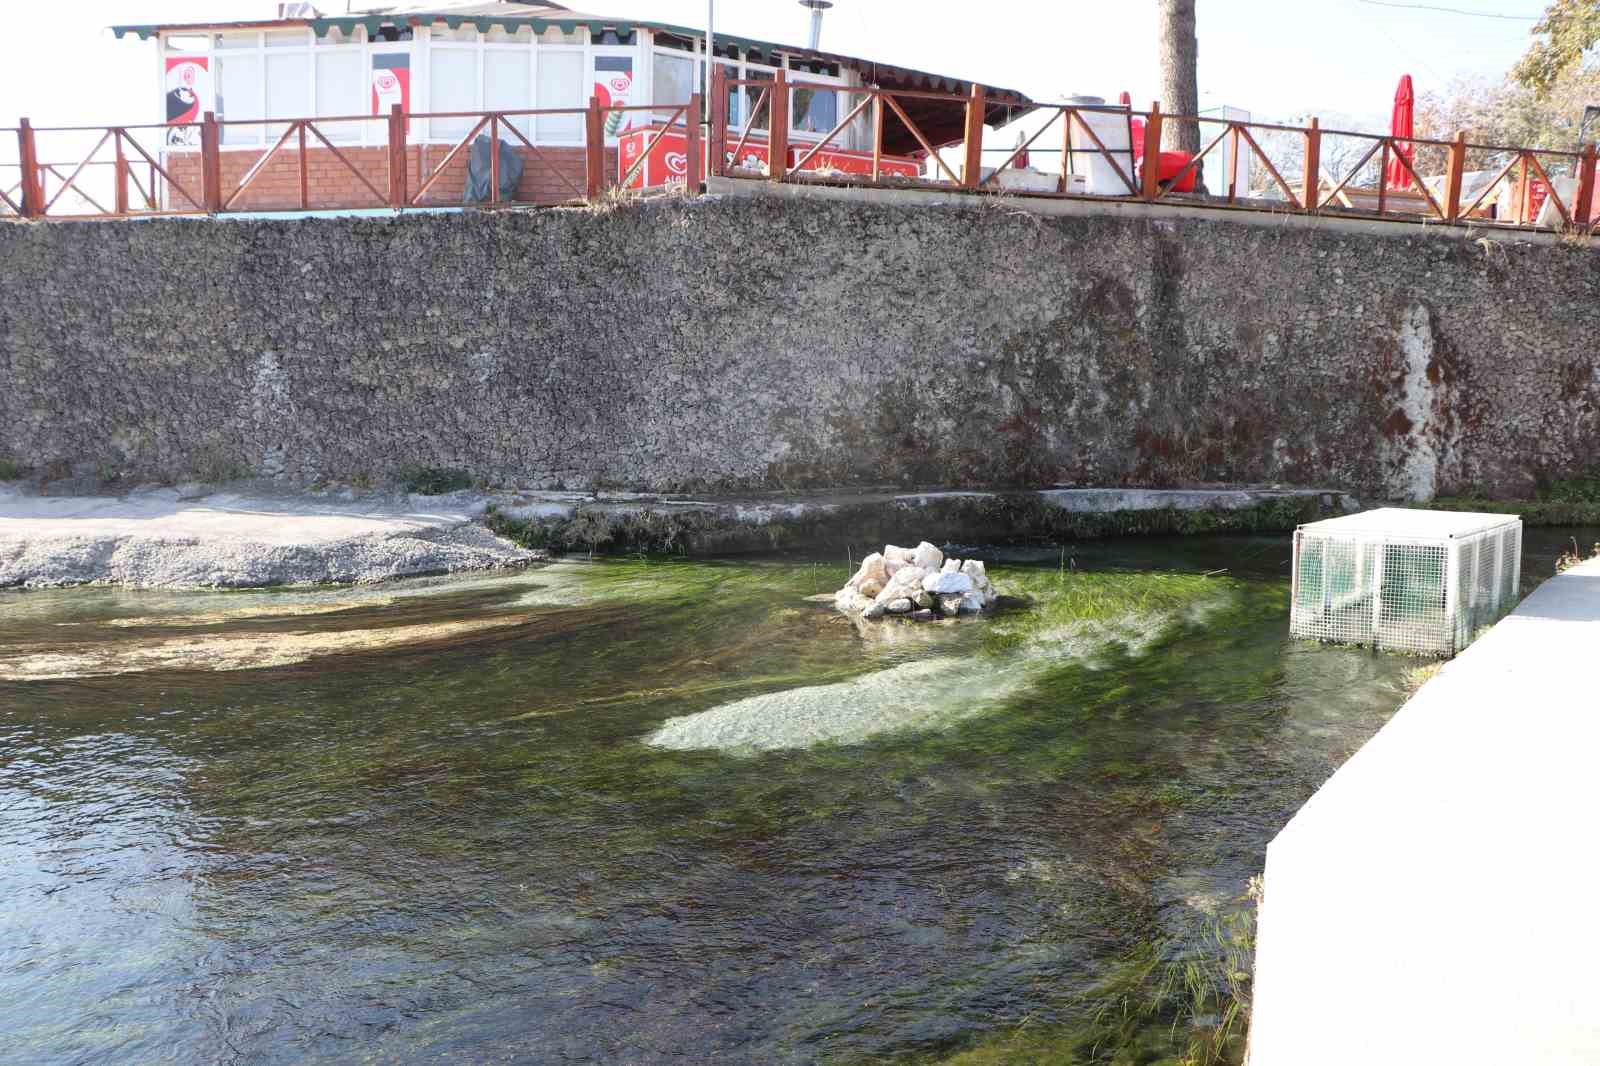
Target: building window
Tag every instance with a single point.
(339, 91)
(452, 86)
(507, 84)
(560, 85)
(239, 96)
(672, 80)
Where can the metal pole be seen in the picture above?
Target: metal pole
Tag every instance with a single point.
(711, 16)
(710, 111)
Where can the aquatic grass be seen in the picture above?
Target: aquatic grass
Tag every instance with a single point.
(487, 807)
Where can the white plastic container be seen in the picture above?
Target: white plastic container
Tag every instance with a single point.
(1112, 127)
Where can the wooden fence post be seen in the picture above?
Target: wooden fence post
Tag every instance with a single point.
(210, 163)
(778, 126)
(691, 123)
(1454, 166)
(121, 175)
(1583, 201)
(972, 164)
(1311, 185)
(1522, 189)
(877, 135)
(397, 157)
(1152, 154)
(28, 158)
(717, 148)
(594, 154)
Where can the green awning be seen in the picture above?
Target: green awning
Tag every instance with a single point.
(373, 23)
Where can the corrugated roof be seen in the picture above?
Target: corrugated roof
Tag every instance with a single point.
(938, 120)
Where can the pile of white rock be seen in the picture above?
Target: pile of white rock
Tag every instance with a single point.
(919, 582)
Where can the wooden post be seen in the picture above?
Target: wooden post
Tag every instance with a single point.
(397, 157)
(594, 144)
(1311, 185)
(1233, 162)
(28, 158)
(1522, 188)
(778, 126)
(1583, 201)
(210, 163)
(1066, 147)
(972, 164)
(877, 135)
(122, 174)
(1454, 165)
(305, 167)
(691, 123)
(1152, 154)
(494, 159)
(717, 149)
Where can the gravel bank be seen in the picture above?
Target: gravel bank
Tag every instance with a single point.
(162, 537)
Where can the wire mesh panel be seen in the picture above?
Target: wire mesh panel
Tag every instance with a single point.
(1423, 582)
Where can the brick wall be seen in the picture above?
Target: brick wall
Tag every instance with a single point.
(331, 183)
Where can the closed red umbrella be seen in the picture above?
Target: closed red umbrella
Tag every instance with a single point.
(1400, 127)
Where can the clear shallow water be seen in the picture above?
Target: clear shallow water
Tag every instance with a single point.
(456, 846)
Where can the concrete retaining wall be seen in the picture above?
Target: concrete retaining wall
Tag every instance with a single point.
(737, 344)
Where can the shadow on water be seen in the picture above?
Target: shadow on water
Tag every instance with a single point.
(462, 849)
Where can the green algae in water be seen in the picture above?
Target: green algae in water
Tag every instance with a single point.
(465, 850)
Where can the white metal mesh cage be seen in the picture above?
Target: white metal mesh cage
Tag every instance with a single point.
(1417, 581)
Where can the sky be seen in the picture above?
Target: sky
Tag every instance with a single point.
(1274, 58)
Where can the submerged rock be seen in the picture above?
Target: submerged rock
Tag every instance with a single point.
(924, 615)
(900, 606)
(951, 604)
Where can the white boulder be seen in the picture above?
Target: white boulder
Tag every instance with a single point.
(945, 583)
(951, 566)
(904, 555)
(900, 606)
(906, 582)
(871, 569)
(928, 557)
(971, 603)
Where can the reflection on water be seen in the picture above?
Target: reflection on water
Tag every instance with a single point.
(453, 844)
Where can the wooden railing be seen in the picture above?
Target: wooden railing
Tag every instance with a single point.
(194, 176)
(1308, 188)
(1299, 174)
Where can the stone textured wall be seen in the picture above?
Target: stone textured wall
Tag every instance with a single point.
(731, 343)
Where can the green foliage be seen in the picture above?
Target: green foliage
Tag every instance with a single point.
(1568, 502)
(1568, 29)
(432, 480)
(9, 471)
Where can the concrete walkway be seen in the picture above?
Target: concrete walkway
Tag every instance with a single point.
(1436, 901)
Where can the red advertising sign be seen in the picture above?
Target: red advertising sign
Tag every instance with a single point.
(391, 82)
(188, 85)
(668, 163)
(859, 163)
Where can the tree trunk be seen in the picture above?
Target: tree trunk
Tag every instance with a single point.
(1180, 88)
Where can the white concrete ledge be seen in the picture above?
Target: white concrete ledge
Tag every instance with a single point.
(1435, 901)
(1132, 210)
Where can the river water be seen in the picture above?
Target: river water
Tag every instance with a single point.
(434, 820)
